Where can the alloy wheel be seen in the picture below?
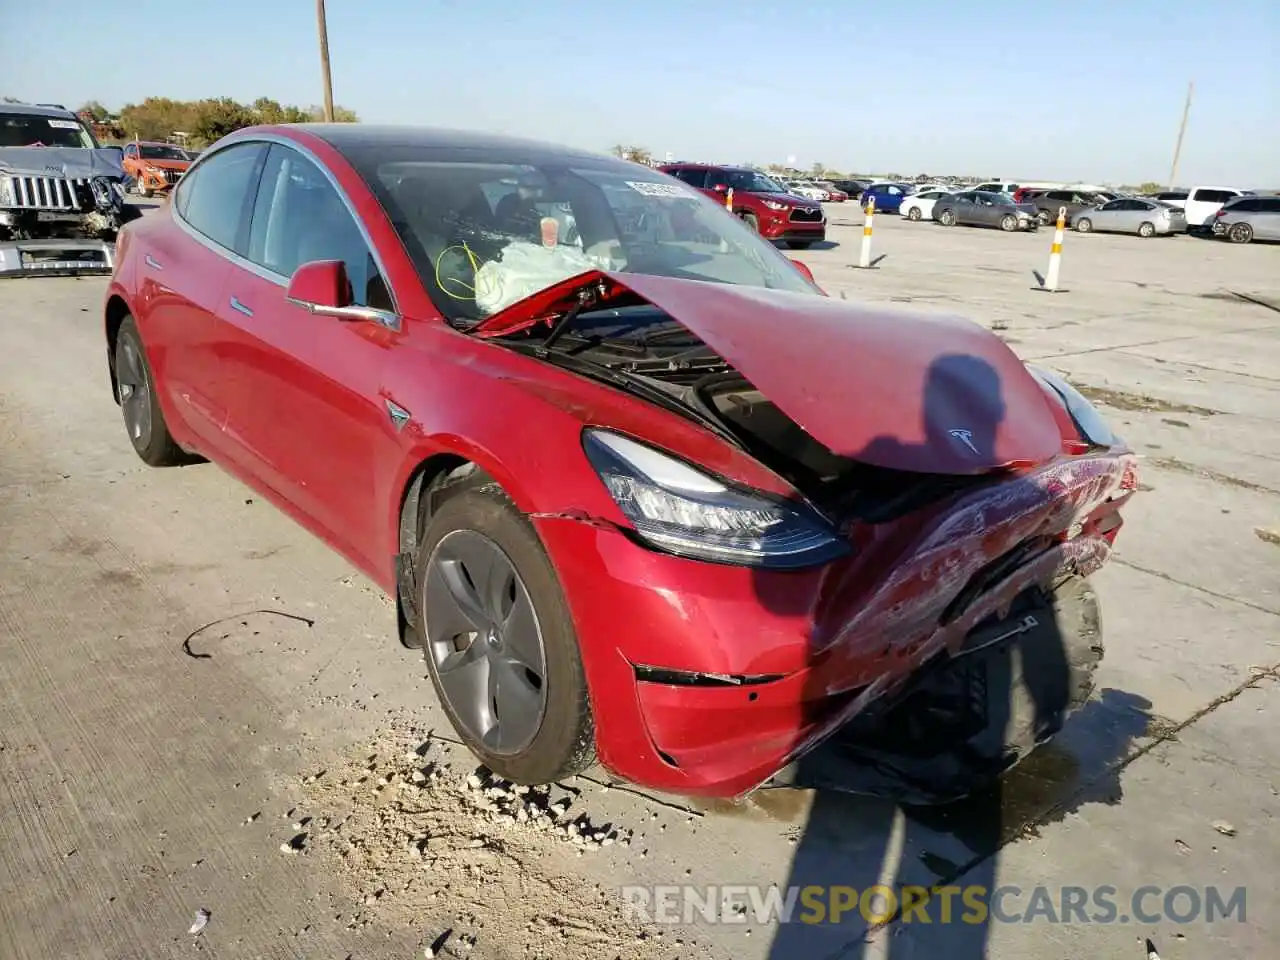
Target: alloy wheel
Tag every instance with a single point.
(135, 392)
(484, 641)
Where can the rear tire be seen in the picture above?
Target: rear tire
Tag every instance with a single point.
(562, 741)
(1084, 225)
(1146, 229)
(1240, 233)
(139, 404)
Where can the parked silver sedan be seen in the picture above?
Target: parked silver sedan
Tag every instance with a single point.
(1248, 218)
(982, 209)
(1146, 218)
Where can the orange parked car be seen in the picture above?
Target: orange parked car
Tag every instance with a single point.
(154, 167)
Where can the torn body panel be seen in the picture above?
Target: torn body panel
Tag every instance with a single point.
(842, 638)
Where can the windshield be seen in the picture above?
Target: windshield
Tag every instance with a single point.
(159, 151)
(28, 130)
(484, 235)
(749, 181)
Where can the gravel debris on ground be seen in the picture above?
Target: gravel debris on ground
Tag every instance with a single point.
(422, 836)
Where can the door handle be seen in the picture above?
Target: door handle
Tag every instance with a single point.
(237, 305)
(153, 263)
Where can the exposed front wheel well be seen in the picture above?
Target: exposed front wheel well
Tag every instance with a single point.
(430, 484)
(116, 311)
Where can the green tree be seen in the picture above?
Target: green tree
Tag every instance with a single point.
(95, 109)
(1150, 186)
(157, 118)
(216, 117)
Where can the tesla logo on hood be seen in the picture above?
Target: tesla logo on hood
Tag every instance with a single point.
(965, 437)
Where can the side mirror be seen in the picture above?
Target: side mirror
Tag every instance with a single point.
(321, 287)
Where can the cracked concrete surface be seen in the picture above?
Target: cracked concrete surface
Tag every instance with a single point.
(128, 767)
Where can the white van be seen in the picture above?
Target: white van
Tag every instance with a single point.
(996, 186)
(1203, 202)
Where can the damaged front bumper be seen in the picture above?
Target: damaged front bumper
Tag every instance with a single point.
(717, 677)
(47, 258)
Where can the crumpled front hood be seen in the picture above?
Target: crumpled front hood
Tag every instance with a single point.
(896, 389)
(69, 162)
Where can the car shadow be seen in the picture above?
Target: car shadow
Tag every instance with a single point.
(913, 803)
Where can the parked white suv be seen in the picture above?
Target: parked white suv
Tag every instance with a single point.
(1203, 202)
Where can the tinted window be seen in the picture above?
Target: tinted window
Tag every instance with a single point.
(1114, 205)
(1172, 195)
(695, 177)
(1268, 204)
(1213, 196)
(32, 130)
(299, 217)
(1244, 205)
(932, 195)
(212, 198)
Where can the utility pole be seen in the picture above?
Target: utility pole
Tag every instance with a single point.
(1177, 147)
(324, 62)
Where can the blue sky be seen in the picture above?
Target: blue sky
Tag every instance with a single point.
(1087, 90)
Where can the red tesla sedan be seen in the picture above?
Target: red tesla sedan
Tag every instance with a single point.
(642, 492)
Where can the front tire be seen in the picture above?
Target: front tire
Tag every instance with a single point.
(139, 403)
(1008, 223)
(499, 641)
(914, 214)
(140, 188)
(1240, 233)
(752, 221)
(947, 218)
(1084, 225)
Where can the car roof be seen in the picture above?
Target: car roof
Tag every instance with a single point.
(36, 110)
(364, 135)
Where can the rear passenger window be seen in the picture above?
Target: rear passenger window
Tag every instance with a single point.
(1268, 204)
(1213, 196)
(693, 177)
(213, 198)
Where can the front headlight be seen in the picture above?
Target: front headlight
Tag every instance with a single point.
(775, 205)
(682, 510)
(1091, 424)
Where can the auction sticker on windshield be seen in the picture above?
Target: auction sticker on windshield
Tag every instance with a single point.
(64, 124)
(651, 189)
